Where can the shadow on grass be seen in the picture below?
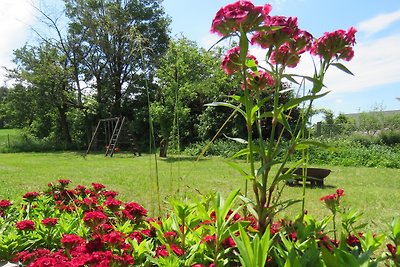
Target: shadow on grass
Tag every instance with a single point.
(182, 158)
(311, 186)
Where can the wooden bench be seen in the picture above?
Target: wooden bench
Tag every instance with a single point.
(315, 176)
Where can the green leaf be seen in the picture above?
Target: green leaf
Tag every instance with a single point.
(228, 105)
(237, 167)
(239, 140)
(243, 152)
(342, 68)
(290, 78)
(244, 45)
(294, 102)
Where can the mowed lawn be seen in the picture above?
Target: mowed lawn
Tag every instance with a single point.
(375, 192)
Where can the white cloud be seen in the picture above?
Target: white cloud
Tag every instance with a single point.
(16, 16)
(378, 23)
(376, 63)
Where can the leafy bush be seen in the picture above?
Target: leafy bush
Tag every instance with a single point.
(354, 153)
(220, 147)
(390, 137)
(89, 226)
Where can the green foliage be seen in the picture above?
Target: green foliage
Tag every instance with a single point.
(358, 152)
(220, 147)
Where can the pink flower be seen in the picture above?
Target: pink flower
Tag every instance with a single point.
(25, 225)
(287, 31)
(285, 55)
(259, 82)
(49, 221)
(239, 15)
(338, 44)
(231, 62)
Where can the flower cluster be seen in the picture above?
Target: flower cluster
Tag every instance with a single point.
(241, 15)
(332, 201)
(114, 233)
(338, 44)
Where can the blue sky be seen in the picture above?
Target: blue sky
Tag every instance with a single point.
(376, 64)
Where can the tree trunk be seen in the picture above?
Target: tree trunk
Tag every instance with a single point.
(64, 125)
(163, 148)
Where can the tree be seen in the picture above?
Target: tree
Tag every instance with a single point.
(188, 77)
(46, 73)
(123, 40)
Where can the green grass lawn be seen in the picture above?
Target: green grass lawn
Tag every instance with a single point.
(376, 192)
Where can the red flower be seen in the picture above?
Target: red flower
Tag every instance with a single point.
(228, 242)
(49, 221)
(110, 193)
(177, 250)
(209, 239)
(64, 182)
(340, 192)
(328, 197)
(4, 203)
(30, 196)
(353, 240)
(239, 15)
(170, 235)
(112, 203)
(94, 218)
(136, 236)
(70, 241)
(25, 225)
(392, 249)
(161, 251)
(98, 187)
(114, 237)
(134, 211)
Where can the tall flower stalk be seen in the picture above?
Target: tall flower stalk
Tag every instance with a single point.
(284, 44)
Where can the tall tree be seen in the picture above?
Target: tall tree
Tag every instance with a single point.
(46, 73)
(123, 40)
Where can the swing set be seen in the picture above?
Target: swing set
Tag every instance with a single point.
(112, 132)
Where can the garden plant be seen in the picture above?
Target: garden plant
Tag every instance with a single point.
(90, 226)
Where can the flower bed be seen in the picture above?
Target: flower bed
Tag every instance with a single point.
(90, 227)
